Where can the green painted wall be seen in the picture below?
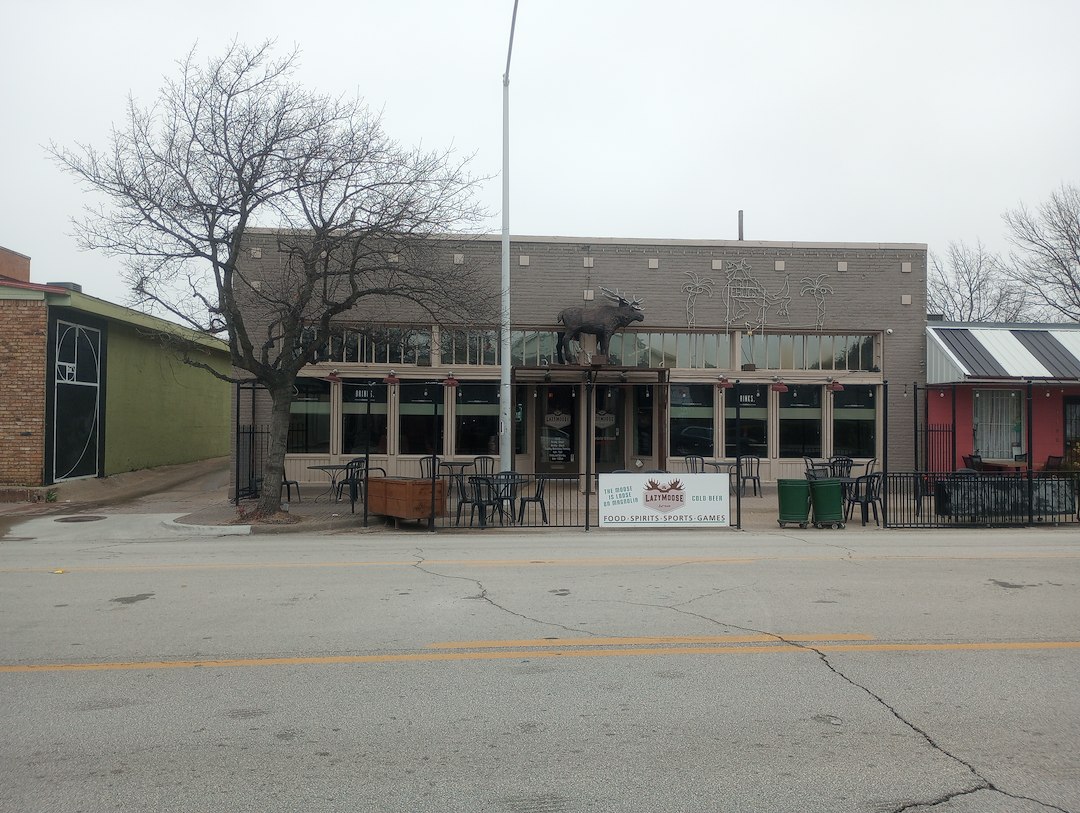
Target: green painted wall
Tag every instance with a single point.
(160, 411)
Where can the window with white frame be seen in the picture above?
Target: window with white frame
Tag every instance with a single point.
(998, 421)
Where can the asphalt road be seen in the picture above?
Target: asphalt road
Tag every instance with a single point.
(142, 670)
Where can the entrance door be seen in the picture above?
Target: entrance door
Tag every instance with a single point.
(556, 429)
(76, 403)
(610, 435)
(1072, 426)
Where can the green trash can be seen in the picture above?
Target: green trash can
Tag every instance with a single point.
(827, 499)
(793, 497)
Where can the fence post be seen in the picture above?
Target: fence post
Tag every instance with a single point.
(589, 445)
(236, 450)
(1030, 460)
(885, 454)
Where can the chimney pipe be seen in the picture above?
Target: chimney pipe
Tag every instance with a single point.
(740, 224)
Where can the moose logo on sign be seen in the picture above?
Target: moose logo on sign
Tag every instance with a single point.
(664, 498)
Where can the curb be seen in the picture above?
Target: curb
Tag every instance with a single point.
(207, 530)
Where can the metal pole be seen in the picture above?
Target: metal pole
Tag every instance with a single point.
(236, 449)
(952, 463)
(915, 433)
(505, 420)
(1030, 458)
(434, 455)
(885, 454)
(738, 457)
(589, 443)
(367, 448)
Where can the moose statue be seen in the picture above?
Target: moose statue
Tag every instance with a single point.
(601, 322)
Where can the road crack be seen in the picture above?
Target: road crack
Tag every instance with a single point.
(483, 596)
(982, 783)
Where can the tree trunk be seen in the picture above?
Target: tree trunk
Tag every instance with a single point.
(274, 471)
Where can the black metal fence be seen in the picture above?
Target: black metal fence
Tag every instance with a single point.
(960, 499)
(529, 501)
(252, 443)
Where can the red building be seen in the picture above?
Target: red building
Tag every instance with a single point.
(998, 396)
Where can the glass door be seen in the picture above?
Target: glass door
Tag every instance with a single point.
(556, 429)
(608, 422)
(1072, 429)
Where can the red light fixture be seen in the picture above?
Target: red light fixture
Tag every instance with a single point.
(834, 386)
(391, 378)
(450, 381)
(724, 383)
(778, 386)
(333, 378)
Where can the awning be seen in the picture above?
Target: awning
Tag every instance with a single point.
(958, 353)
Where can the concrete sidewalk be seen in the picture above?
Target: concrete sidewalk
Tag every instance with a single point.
(198, 494)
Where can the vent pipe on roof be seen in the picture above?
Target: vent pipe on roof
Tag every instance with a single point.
(71, 286)
(740, 224)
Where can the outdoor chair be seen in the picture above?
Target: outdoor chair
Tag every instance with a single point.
(973, 462)
(866, 493)
(485, 497)
(466, 496)
(537, 497)
(355, 477)
(288, 485)
(484, 464)
(871, 464)
(1053, 463)
(428, 466)
(750, 471)
(817, 473)
(840, 466)
(695, 463)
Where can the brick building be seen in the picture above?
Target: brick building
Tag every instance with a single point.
(802, 336)
(90, 392)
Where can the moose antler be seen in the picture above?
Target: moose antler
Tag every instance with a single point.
(617, 296)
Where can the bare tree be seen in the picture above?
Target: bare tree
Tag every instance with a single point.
(972, 286)
(238, 144)
(1047, 256)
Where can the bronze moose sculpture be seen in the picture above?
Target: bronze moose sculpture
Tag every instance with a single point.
(601, 321)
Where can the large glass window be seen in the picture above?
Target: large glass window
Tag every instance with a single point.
(309, 417)
(800, 421)
(855, 421)
(789, 351)
(420, 423)
(750, 434)
(998, 419)
(477, 427)
(692, 419)
(363, 418)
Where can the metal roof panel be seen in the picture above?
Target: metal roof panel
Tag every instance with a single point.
(1011, 354)
(969, 351)
(1050, 352)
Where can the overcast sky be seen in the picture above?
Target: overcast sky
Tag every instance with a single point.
(899, 121)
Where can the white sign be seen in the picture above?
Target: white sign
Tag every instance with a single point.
(669, 500)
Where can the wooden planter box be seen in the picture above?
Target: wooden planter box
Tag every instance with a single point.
(405, 497)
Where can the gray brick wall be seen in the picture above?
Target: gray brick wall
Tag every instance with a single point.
(867, 297)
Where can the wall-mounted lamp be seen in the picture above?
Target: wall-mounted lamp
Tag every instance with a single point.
(333, 378)
(1047, 393)
(941, 393)
(836, 386)
(450, 381)
(723, 383)
(778, 385)
(391, 378)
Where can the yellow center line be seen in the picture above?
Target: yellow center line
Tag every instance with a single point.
(430, 657)
(652, 640)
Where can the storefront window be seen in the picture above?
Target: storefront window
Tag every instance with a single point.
(692, 419)
(476, 431)
(520, 421)
(800, 421)
(420, 422)
(752, 429)
(363, 418)
(309, 417)
(854, 421)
